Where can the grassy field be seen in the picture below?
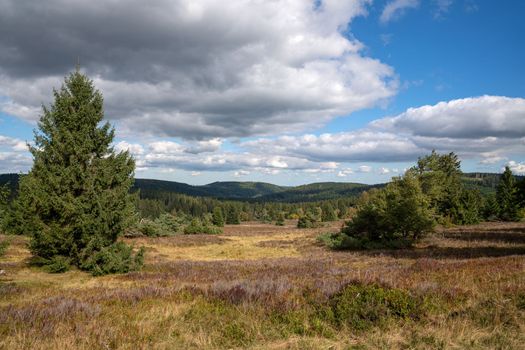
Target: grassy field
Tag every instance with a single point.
(267, 287)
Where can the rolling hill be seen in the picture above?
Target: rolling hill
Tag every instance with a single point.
(266, 192)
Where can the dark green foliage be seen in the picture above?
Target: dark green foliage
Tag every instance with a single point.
(58, 264)
(440, 178)
(115, 258)
(308, 221)
(316, 192)
(150, 228)
(491, 209)
(233, 215)
(469, 209)
(197, 227)
(76, 197)
(165, 225)
(4, 196)
(506, 195)
(455, 198)
(400, 211)
(520, 193)
(328, 213)
(361, 306)
(218, 217)
(152, 204)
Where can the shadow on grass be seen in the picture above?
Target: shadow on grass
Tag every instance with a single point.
(508, 235)
(449, 252)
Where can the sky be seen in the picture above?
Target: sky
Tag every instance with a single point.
(285, 91)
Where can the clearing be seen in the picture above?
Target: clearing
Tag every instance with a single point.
(268, 287)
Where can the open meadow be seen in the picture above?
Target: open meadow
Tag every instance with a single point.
(260, 286)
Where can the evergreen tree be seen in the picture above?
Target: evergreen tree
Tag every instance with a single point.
(4, 195)
(75, 201)
(218, 218)
(440, 178)
(491, 208)
(506, 197)
(328, 213)
(398, 212)
(233, 216)
(520, 193)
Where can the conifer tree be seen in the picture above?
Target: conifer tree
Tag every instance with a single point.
(218, 218)
(75, 201)
(4, 194)
(232, 218)
(520, 193)
(506, 197)
(328, 213)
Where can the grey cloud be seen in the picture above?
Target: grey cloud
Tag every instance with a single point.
(194, 69)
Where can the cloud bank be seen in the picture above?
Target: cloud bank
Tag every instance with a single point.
(196, 69)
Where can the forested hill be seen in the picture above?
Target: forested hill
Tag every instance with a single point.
(254, 191)
(222, 190)
(317, 192)
(265, 192)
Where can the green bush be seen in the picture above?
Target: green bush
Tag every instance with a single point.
(308, 221)
(361, 307)
(341, 241)
(116, 258)
(196, 227)
(165, 225)
(149, 228)
(58, 264)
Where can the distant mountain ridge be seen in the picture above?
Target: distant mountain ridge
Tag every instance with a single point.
(266, 192)
(255, 191)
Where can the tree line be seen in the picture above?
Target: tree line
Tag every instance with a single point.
(429, 193)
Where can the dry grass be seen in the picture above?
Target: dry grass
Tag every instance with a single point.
(267, 287)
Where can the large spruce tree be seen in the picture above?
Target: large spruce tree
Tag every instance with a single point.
(506, 195)
(75, 201)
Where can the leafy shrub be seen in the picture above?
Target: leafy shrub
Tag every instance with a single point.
(165, 225)
(116, 258)
(58, 264)
(361, 306)
(149, 228)
(308, 221)
(341, 241)
(196, 227)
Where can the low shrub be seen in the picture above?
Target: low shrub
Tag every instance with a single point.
(196, 227)
(58, 264)
(360, 306)
(116, 258)
(341, 241)
(307, 221)
(165, 225)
